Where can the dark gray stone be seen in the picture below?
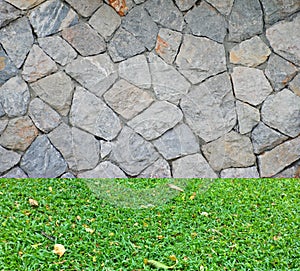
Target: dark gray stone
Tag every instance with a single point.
(25, 4)
(8, 13)
(185, 5)
(7, 68)
(159, 169)
(8, 159)
(85, 8)
(15, 173)
(223, 6)
(105, 170)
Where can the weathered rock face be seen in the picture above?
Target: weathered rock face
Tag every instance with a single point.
(249, 172)
(15, 172)
(8, 159)
(223, 6)
(25, 4)
(85, 8)
(295, 85)
(104, 170)
(8, 13)
(159, 169)
(184, 5)
(248, 117)
(7, 68)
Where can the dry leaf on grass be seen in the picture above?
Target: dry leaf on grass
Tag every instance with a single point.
(159, 265)
(33, 203)
(175, 187)
(59, 250)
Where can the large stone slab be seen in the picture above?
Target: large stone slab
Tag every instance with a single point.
(7, 68)
(223, 6)
(85, 8)
(248, 172)
(248, 117)
(8, 13)
(105, 170)
(8, 159)
(209, 108)
(25, 4)
(159, 169)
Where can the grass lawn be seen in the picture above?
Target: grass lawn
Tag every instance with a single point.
(231, 225)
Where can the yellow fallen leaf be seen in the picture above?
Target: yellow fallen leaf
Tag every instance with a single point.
(50, 189)
(173, 258)
(192, 197)
(175, 187)
(33, 203)
(204, 213)
(36, 245)
(59, 250)
(90, 230)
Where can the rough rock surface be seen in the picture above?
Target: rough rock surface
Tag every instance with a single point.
(184, 5)
(85, 8)
(223, 6)
(8, 13)
(159, 169)
(8, 159)
(7, 68)
(25, 4)
(295, 85)
(248, 172)
(104, 170)
(248, 117)
(15, 172)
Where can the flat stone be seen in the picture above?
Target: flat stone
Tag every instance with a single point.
(245, 20)
(136, 71)
(51, 17)
(167, 44)
(42, 160)
(275, 160)
(156, 120)
(282, 112)
(264, 138)
(209, 108)
(223, 6)
(3, 124)
(67, 175)
(248, 117)
(204, 20)
(37, 65)
(25, 4)
(105, 170)
(56, 90)
(290, 172)
(96, 118)
(8, 13)
(84, 39)
(127, 100)
(251, 52)
(248, 172)
(177, 142)
(7, 68)
(105, 21)
(132, 153)
(43, 116)
(19, 134)
(85, 8)
(80, 149)
(231, 150)
(250, 85)
(165, 13)
(200, 58)
(279, 71)
(2, 113)
(14, 97)
(287, 48)
(19, 44)
(8, 159)
(192, 166)
(185, 5)
(105, 148)
(96, 73)
(159, 169)
(167, 82)
(295, 85)
(15, 173)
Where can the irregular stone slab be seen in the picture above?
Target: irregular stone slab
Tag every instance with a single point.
(3, 124)
(105, 21)
(290, 172)
(155, 120)
(209, 108)
(19, 134)
(251, 53)
(67, 175)
(84, 39)
(223, 6)
(96, 118)
(282, 112)
(165, 13)
(136, 71)
(250, 85)
(185, 5)
(18, 45)
(248, 117)
(127, 100)
(105, 170)
(124, 45)
(105, 148)
(96, 73)
(279, 71)
(25, 4)
(8, 13)
(141, 26)
(7, 68)
(80, 149)
(264, 138)
(2, 113)
(37, 65)
(275, 160)
(8, 159)
(159, 169)
(43, 116)
(248, 172)
(56, 90)
(132, 153)
(200, 58)
(85, 8)
(167, 44)
(46, 23)
(15, 173)
(42, 160)
(231, 150)
(204, 20)
(245, 20)
(167, 82)
(295, 85)
(14, 97)
(58, 49)
(192, 166)
(177, 142)
(287, 48)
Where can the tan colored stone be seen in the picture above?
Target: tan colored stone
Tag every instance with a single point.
(25, 4)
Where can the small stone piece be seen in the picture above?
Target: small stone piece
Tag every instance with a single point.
(248, 172)
(295, 85)
(105, 148)
(290, 172)
(3, 124)
(231, 150)
(282, 112)
(192, 166)
(37, 65)
(43, 116)
(42, 160)
(159, 169)
(25, 4)
(105, 170)
(223, 6)
(19, 134)
(8, 159)
(96, 73)
(85, 8)
(250, 85)
(155, 120)
(248, 117)
(67, 175)
(251, 53)
(277, 159)
(15, 173)
(84, 39)
(51, 17)
(185, 5)
(265, 138)
(200, 58)
(2, 113)
(14, 97)
(127, 100)
(8, 13)
(56, 90)
(7, 68)
(204, 20)
(91, 114)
